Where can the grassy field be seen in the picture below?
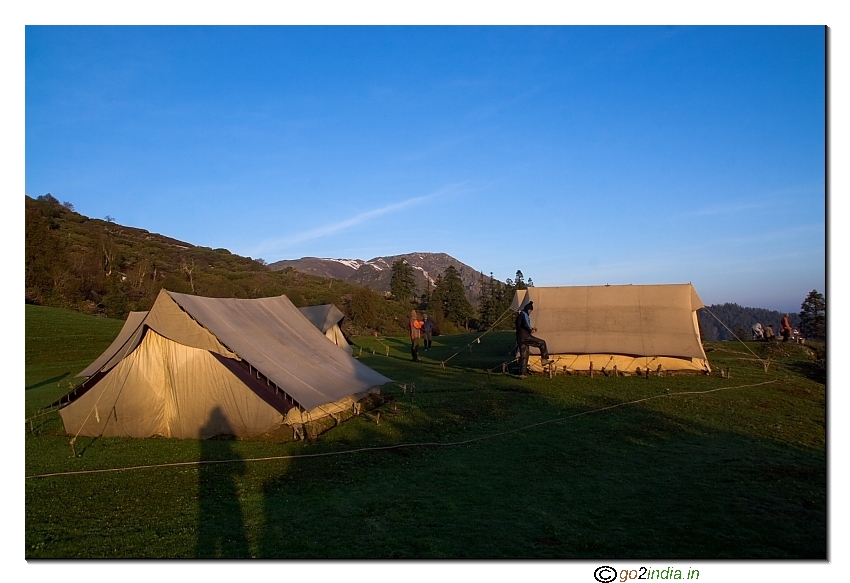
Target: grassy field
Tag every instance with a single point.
(739, 472)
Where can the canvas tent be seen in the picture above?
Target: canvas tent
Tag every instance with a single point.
(328, 319)
(196, 367)
(627, 326)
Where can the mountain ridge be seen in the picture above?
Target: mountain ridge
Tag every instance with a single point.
(377, 272)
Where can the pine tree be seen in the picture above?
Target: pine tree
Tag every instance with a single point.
(435, 304)
(403, 281)
(813, 315)
(484, 303)
(520, 282)
(454, 305)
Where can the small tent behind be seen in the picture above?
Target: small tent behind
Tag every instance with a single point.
(196, 367)
(328, 319)
(627, 326)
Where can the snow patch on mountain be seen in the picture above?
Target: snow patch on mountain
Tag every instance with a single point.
(352, 263)
(425, 273)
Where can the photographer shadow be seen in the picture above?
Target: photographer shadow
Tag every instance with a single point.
(221, 527)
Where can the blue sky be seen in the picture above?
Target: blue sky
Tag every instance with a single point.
(581, 155)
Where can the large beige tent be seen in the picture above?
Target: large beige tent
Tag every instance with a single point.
(328, 319)
(196, 367)
(627, 326)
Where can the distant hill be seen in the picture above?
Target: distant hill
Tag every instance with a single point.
(377, 272)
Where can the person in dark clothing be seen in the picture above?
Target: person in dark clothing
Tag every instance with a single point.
(427, 330)
(525, 339)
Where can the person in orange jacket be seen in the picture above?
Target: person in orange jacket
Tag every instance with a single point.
(415, 333)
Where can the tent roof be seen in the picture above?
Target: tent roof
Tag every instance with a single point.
(131, 328)
(646, 320)
(269, 333)
(323, 317)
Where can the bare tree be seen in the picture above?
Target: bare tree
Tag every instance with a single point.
(109, 254)
(143, 269)
(188, 269)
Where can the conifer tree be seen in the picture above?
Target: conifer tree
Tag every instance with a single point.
(813, 315)
(520, 282)
(484, 303)
(454, 305)
(403, 281)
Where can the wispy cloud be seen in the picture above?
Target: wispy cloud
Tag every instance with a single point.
(353, 221)
(777, 199)
(732, 209)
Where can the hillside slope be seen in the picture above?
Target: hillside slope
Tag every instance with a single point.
(95, 266)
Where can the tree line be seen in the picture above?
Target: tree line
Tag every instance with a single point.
(447, 303)
(726, 321)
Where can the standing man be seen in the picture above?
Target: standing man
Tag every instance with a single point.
(415, 327)
(525, 339)
(785, 328)
(427, 330)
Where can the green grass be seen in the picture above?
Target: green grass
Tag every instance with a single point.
(737, 473)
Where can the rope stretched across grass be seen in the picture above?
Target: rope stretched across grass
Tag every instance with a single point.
(401, 445)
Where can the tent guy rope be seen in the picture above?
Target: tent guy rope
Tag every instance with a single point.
(401, 445)
(477, 339)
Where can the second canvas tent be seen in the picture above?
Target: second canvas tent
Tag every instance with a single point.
(628, 326)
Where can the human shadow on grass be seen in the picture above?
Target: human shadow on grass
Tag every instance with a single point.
(632, 482)
(49, 381)
(221, 528)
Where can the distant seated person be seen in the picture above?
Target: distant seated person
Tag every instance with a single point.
(769, 335)
(758, 331)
